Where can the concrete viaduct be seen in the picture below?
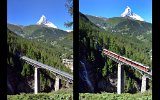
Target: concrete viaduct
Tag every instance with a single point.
(125, 61)
(58, 73)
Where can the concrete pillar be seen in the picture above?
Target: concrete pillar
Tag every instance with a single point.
(67, 84)
(57, 83)
(36, 80)
(144, 83)
(120, 82)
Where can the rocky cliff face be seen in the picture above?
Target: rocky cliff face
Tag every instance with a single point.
(16, 84)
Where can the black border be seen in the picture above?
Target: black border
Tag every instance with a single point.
(76, 49)
(3, 49)
(155, 49)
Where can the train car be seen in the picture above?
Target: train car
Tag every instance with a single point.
(105, 51)
(127, 61)
(141, 66)
(134, 63)
(147, 68)
(121, 58)
(113, 54)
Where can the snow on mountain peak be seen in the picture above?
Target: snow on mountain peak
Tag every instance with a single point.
(128, 13)
(43, 21)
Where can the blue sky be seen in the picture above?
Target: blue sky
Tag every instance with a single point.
(114, 8)
(26, 12)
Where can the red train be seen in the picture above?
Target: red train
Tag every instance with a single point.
(126, 60)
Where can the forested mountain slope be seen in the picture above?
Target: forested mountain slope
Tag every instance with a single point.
(124, 25)
(20, 76)
(102, 71)
(55, 37)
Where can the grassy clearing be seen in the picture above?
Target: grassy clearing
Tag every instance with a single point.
(64, 94)
(111, 96)
(67, 94)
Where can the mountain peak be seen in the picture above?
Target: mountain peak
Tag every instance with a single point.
(43, 21)
(128, 13)
(128, 7)
(43, 16)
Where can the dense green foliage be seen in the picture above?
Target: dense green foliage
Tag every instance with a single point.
(112, 96)
(93, 39)
(55, 37)
(39, 51)
(39, 42)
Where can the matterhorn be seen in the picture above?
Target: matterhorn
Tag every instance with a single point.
(128, 13)
(45, 22)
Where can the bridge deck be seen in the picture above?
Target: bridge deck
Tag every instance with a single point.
(124, 60)
(41, 65)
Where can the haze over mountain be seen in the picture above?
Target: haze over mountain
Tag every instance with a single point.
(43, 21)
(128, 13)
